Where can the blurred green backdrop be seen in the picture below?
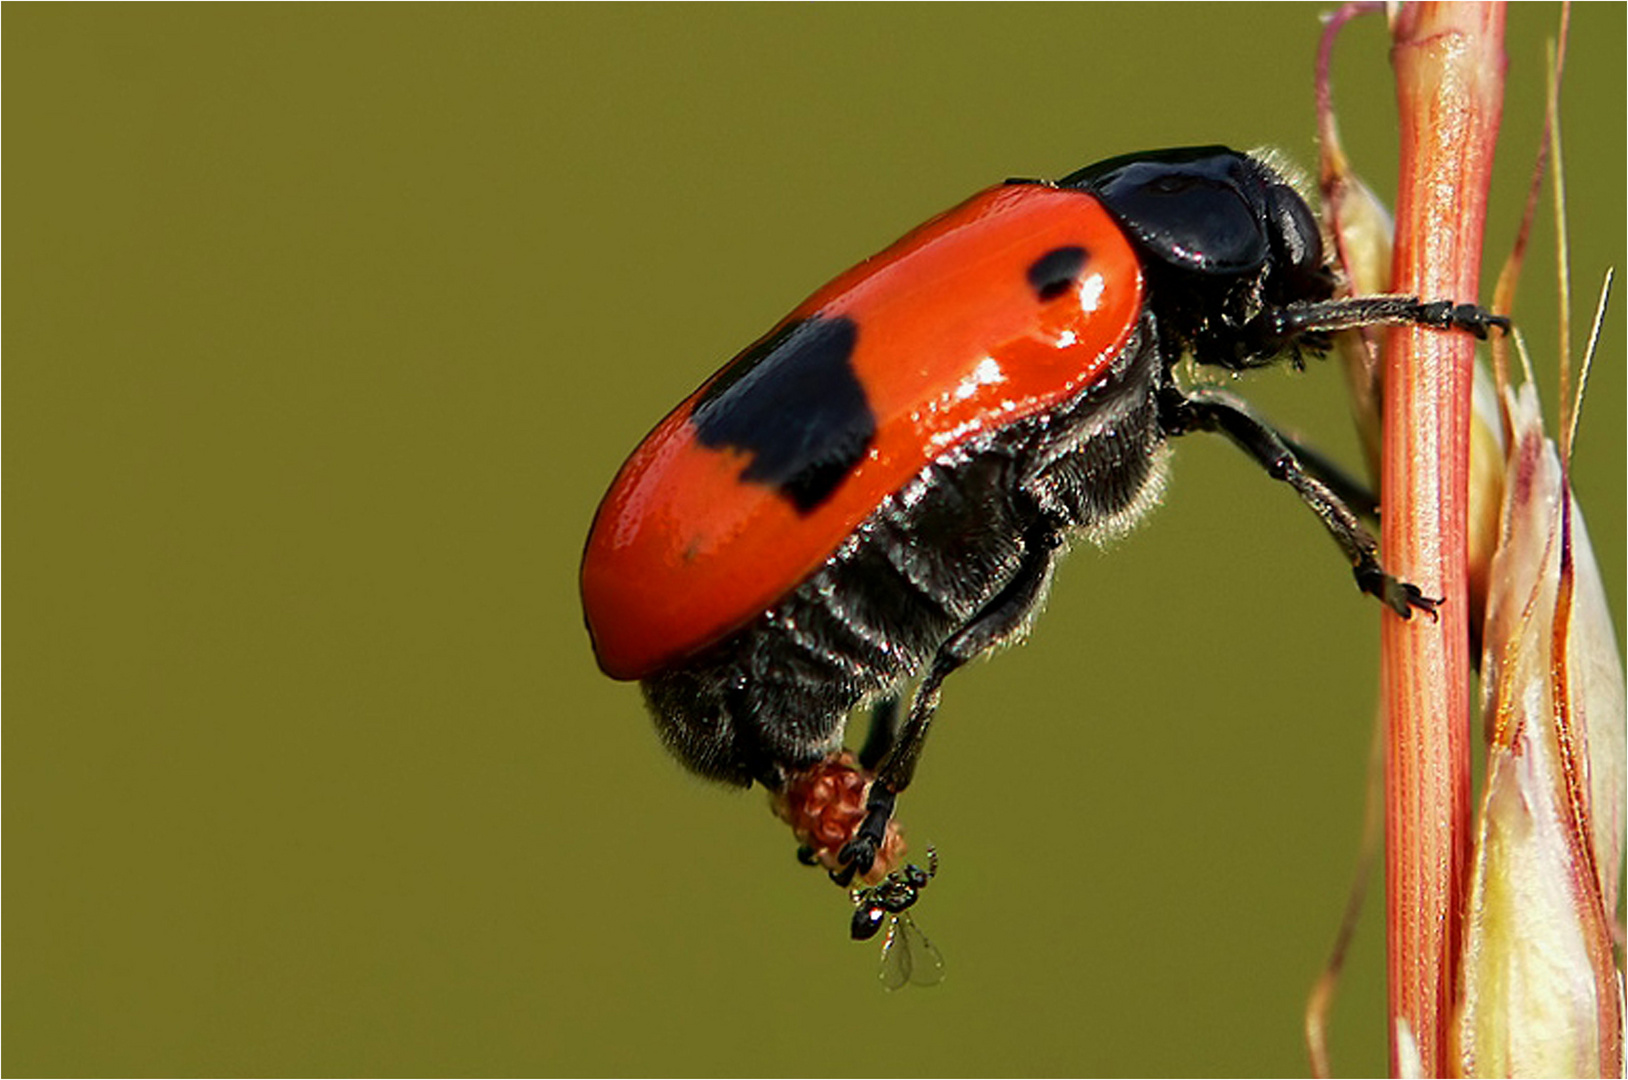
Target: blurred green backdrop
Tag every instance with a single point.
(326, 329)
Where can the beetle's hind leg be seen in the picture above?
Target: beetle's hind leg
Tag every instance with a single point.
(995, 623)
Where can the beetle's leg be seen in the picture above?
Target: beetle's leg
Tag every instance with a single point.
(1308, 325)
(998, 620)
(883, 732)
(1327, 316)
(879, 741)
(1216, 410)
(1347, 488)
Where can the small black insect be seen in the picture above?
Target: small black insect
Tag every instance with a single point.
(907, 955)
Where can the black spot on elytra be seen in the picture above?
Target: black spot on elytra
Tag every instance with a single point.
(1055, 272)
(793, 402)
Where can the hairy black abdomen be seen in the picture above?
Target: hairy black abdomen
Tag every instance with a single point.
(774, 696)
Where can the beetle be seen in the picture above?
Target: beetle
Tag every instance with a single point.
(879, 488)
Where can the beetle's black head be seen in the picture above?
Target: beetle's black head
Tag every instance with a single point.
(1214, 227)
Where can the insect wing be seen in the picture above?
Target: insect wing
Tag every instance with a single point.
(908, 957)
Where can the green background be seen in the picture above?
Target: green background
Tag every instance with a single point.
(326, 329)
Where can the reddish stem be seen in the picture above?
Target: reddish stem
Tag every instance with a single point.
(1449, 62)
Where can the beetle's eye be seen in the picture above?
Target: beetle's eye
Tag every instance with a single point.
(1297, 245)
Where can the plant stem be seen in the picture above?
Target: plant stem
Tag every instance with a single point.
(1449, 63)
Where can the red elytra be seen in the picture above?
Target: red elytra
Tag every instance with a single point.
(950, 343)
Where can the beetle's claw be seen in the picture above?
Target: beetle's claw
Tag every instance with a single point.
(1402, 597)
(857, 857)
(1405, 598)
